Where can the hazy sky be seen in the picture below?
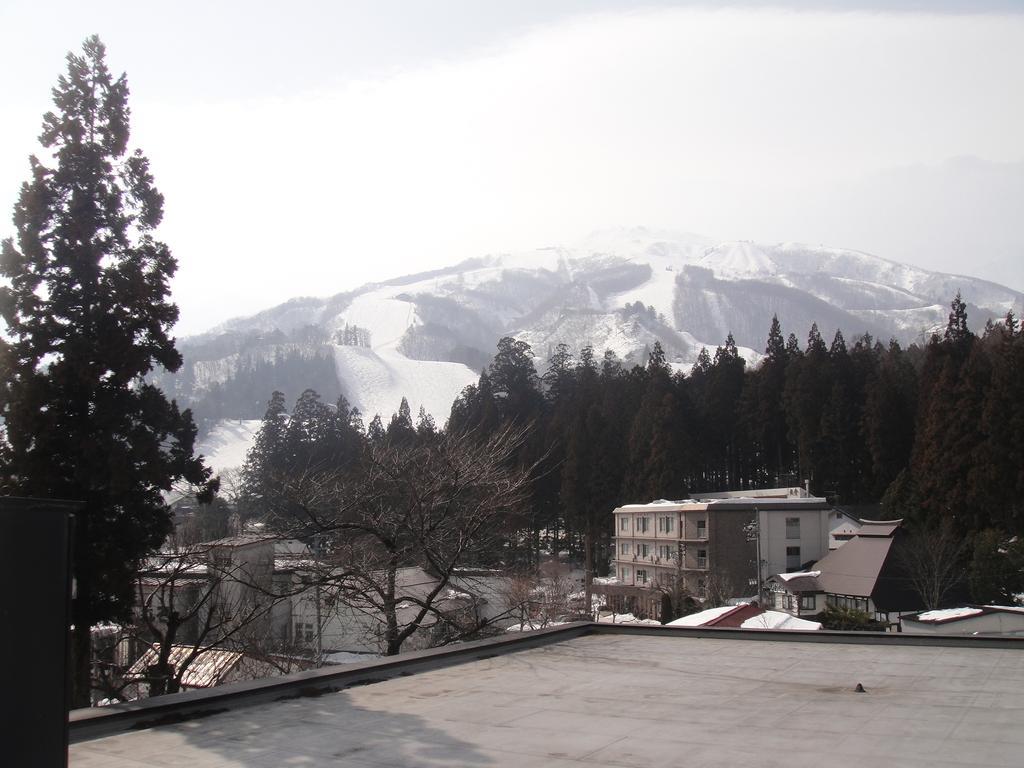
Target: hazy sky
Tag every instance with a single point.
(306, 148)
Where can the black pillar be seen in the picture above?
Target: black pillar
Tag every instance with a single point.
(35, 613)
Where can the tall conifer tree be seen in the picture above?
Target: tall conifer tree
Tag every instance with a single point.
(88, 316)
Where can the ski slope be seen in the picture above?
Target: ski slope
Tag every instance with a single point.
(227, 443)
(375, 379)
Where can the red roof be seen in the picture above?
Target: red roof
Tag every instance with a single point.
(736, 616)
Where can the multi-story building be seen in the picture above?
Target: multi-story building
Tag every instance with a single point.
(714, 543)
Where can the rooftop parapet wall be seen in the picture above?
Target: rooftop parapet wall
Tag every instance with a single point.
(87, 724)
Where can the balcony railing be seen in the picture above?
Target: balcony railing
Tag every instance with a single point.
(690, 564)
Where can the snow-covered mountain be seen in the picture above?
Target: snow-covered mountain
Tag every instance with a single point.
(427, 336)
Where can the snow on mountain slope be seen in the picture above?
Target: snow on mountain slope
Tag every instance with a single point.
(225, 446)
(375, 381)
(385, 317)
(739, 260)
(619, 290)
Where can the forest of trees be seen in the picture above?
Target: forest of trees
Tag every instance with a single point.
(932, 432)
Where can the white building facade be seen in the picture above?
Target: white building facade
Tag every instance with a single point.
(718, 539)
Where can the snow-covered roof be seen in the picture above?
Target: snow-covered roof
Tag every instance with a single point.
(779, 620)
(701, 618)
(945, 614)
(763, 503)
(205, 671)
(797, 574)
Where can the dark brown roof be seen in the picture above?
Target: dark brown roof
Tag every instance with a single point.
(878, 527)
(736, 616)
(869, 565)
(803, 583)
(855, 567)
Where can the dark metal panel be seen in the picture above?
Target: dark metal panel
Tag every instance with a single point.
(35, 611)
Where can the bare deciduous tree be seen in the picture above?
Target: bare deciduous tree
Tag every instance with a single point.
(439, 503)
(191, 598)
(932, 559)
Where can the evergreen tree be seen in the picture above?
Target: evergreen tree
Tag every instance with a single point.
(808, 388)
(425, 426)
(375, 431)
(515, 381)
(768, 423)
(725, 384)
(266, 461)
(88, 316)
(955, 376)
(996, 574)
(400, 428)
(888, 420)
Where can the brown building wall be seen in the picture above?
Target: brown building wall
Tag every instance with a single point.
(731, 558)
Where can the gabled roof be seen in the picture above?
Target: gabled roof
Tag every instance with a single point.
(723, 616)
(779, 620)
(854, 568)
(798, 581)
(878, 527)
(868, 566)
(744, 616)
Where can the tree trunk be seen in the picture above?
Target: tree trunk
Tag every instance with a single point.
(392, 644)
(588, 572)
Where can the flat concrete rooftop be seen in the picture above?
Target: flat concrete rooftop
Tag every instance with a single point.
(628, 699)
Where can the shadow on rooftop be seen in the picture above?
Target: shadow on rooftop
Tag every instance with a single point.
(325, 730)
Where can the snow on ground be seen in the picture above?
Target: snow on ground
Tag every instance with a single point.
(701, 618)
(779, 620)
(386, 318)
(626, 618)
(948, 613)
(666, 264)
(739, 260)
(374, 381)
(227, 443)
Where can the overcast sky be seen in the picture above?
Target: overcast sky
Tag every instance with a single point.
(306, 148)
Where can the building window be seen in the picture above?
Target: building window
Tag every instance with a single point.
(642, 524)
(792, 558)
(665, 552)
(702, 558)
(792, 527)
(625, 574)
(623, 523)
(848, 602)
(641, 576)
(701, 586)
(624, 549)
(303, 632)
(643, 550)
(666, 524)
(702, 529)
(807, 602)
